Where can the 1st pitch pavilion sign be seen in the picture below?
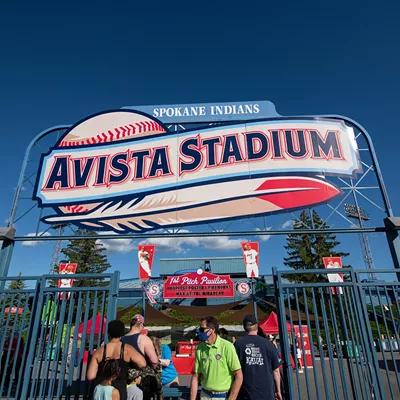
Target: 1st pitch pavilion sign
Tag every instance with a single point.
(125, 171)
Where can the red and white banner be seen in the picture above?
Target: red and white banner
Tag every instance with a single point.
(145, 258)
(251, 258)
(152, 290)
(200, 284)
(331, 263)
(304, 339)
(67, 269)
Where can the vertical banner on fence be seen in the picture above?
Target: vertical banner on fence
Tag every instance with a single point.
(331, 263)
(151, 291)
(250, 256)
(306, 349)
(145, 257)
(67, 269)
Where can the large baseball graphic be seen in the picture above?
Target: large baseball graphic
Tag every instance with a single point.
(107, 128)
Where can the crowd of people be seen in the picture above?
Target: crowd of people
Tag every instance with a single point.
(132, 366)
(136, 367)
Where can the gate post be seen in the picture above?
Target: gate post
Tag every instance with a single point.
(392, 226)
(32, 336)
(366, 332)
(285, 346)
(112, 302)
(253, 295)
(7, 237)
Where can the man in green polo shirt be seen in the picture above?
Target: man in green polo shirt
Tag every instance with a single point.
(217, 365)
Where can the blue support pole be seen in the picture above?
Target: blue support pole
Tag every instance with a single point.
(280, 309)
(392, 236)
(5, 258)
(144, 304)
(112, 302)
(31, 340)
(253, 295)
(7, 246)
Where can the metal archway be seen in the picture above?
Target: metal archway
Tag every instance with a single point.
(356, 188)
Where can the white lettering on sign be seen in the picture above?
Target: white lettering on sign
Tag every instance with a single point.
(203, 281)
(195, 111)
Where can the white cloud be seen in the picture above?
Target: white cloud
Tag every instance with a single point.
(117, 245)
(221, 243)
(172, 244)
(182, 245)
(288, 224)
(176, 245)
(33, 243)
(264, 238)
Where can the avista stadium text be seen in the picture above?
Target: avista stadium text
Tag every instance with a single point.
(218, 152)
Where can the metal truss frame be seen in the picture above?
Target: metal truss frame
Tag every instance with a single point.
(351, 188)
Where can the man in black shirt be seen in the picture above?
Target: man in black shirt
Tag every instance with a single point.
(260, 365)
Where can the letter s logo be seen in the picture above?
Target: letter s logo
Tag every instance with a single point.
(243, 288)
(154, 290)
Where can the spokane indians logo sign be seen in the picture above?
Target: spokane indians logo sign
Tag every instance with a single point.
(124, 171)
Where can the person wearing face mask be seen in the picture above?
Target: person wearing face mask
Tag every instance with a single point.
(216, 365)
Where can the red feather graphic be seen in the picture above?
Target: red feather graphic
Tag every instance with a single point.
(298, 191)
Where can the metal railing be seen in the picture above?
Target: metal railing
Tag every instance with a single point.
(347, 333)
(48, 335)
(339, 340)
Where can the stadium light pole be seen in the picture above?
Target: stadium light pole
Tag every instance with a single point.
(360, 215)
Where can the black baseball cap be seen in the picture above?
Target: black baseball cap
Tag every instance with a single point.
(249, 320)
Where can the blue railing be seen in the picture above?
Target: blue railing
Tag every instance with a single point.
(48, 335)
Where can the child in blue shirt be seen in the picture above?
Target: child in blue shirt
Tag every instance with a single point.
(105, 390)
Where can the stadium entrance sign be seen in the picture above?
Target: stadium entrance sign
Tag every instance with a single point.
(125, 171)
(201, 285)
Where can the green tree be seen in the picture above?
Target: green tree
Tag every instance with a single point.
(90, 256)
(12, 299)
(305, 251)
(17, 284)
(15, 299)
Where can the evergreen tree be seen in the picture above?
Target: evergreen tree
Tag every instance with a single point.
(17, 284)
(90, 256)
(305, 251)
(15, 299)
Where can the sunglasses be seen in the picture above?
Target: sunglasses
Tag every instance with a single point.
(204, 329)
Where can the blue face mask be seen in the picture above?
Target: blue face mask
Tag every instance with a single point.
(203, 336)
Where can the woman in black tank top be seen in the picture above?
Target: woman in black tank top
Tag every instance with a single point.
(115, 331)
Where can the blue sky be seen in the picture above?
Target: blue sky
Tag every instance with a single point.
(60, 63)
